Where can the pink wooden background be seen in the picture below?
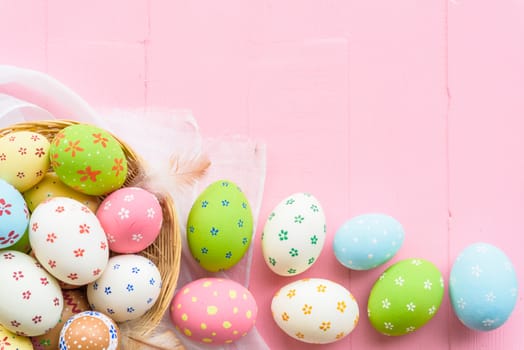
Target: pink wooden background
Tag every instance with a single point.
(411, 108)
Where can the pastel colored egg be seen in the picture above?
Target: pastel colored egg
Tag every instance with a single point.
(88, 159)
(90, 330)
(405, 297)
(213, 310)
(294, 235)
(14, 215)
(12, 341)
(50, 187)
(68, 240)
(75, 301)
(483, 287)
(22, 245)
(220, 226)
(127, 289)
(315, 310)
(24, 159)
(31, 298)
(367, 241)
(131, 218)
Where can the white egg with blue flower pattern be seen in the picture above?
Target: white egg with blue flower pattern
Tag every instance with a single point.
(483, 287)
(127, 289)
(294, 235)
(367, 241)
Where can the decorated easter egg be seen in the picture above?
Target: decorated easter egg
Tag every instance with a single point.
(31, 298)
(14, 215)
(90, 330)
(22, 245)
(51, 186)
(483, 287)
(131, 218)
(367, 241)
(220, 226)
(68, 240)
(294, 235)
(88, 159)
(127, 289)
(405, 297)
(213, 310)
(24, 159)
(315, 310)
(12, 341)
(75, 302)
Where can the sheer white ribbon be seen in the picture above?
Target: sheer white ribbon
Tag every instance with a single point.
(157, 135)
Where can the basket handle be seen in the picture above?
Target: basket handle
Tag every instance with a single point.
(44, 91)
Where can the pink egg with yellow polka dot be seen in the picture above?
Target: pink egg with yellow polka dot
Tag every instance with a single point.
(131, 218)
(214, 311)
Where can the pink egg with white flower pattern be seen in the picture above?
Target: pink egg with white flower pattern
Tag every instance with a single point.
(68, 240)
(131, 218)
(214, 311)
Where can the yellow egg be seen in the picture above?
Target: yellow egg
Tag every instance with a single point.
(24, 159)
(51, 186)
(11, 341)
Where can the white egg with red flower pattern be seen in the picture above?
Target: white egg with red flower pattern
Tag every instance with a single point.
(31, 298)
(131, 218)
(127, 289)
(68, 240)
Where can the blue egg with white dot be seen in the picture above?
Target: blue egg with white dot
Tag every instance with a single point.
(483, 287)
(367, 241)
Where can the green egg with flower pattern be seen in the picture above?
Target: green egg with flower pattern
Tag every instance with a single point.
(88, 159)
(405, 297)
(220, 226)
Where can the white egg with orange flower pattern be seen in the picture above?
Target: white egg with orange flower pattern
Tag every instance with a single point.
(68, 240)
(315, 310)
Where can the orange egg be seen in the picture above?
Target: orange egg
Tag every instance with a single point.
(90, 330)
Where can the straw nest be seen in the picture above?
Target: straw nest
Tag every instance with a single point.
(165, 252)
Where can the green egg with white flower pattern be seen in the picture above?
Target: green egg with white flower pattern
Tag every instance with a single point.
(220, 226)
(405, 297)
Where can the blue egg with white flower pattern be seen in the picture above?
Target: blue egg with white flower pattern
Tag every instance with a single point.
(367, 241)
(483, 287)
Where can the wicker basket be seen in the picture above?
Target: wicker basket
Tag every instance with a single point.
(165, 252)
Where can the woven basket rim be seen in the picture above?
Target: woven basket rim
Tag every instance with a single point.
(165, 251)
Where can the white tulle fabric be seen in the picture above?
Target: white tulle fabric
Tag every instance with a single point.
(157, 135)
